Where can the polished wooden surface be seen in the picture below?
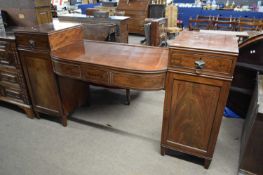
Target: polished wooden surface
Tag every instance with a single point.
(117, 65)
(200, 70)
(49, 94)
(207, 42)
(12, 81)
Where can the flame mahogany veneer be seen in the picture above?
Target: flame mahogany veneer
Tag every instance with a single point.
(196, 73)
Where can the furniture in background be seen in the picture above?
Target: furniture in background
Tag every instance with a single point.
(49, 94)
(27, 13)
(137, 10)
(156, 10)
(200, 71)
(251, 160)
(120, 21)
(171, 13)
(185, 13)
(249, 62)
(100, 31)
(156, 35)
(13, 88)
(225, 23)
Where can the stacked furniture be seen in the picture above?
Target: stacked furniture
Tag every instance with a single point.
(185, 13)
(27, 13)
(121, 23)
(13, 88)
(157, 35)
(225, 23)
(138, 11)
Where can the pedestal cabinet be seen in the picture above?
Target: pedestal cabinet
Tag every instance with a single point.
(12, 83)
(56, 96)
(200, 70)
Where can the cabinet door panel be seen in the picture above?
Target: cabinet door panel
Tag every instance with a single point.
(192, 110)
(42, 82)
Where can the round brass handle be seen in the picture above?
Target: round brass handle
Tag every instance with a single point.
(32, 43)
(199, 64)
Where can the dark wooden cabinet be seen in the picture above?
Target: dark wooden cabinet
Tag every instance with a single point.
(251, 159)
(249, 62)
(197, 86)
(12, 83)
(138, 11)
(50, 94)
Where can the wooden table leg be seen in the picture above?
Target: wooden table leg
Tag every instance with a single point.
(128, 97)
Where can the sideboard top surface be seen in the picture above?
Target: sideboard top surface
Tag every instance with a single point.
(207, 42)
(48, 28)
(122, 56)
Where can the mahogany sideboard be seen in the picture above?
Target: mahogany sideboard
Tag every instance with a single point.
(13, 88)
(51, 95)
(196, 73)
(200, 71)
(120, 21)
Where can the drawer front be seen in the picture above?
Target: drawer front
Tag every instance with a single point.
(31, 41)
(67, 69)
(14, 94)
(11, 93)
(7, 59)
(95, 75)
(211, 63)
(9, 77)
(4, 46)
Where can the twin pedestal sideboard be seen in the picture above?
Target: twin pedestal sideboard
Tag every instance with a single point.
(195, 72)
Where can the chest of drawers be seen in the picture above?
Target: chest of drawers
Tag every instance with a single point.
(200, 70)
(12, 83)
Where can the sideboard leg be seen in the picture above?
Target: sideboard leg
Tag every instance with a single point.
(207, 163)
(64, 120)
(128, 97)
(29, 112)
(162, 151)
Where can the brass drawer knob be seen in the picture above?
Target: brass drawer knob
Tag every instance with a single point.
(199, 64)
(32, 43)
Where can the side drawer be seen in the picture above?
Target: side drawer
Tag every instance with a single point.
(11, 93)
(9, 77)
(32, 41)
(4, 46)
(7, 59)
(95, 74)
(14, 94)
(213, 63)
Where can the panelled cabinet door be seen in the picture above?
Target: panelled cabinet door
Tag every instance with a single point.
(192, 104)
(41, 78)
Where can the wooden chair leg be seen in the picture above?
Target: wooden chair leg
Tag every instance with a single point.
(128, 97)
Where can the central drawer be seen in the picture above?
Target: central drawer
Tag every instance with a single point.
(211, 63)
(95, 74)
